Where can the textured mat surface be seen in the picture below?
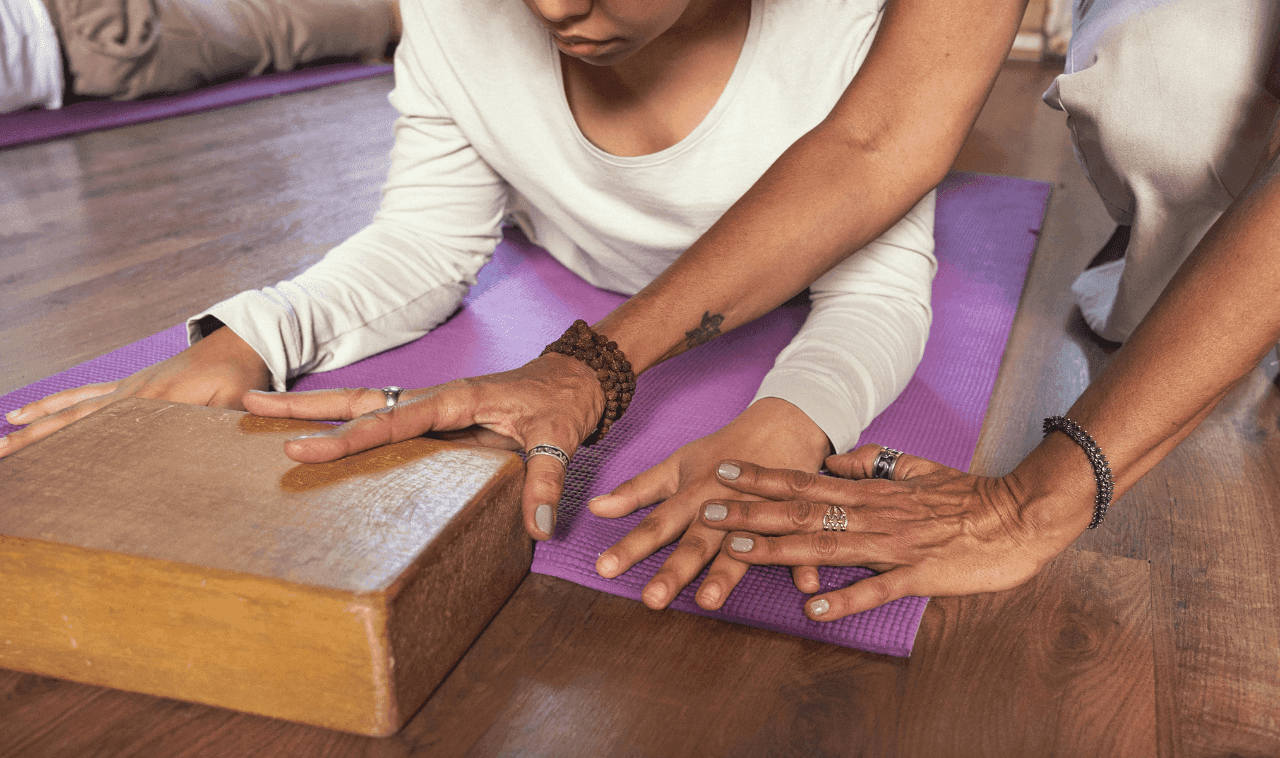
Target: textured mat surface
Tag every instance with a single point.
(31, 126)
(986, 230)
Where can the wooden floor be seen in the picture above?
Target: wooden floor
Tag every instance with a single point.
(1158, 634)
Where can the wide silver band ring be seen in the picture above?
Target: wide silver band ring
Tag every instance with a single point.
(835, 519)
(392, 394)
(550, 450)
(885, 463)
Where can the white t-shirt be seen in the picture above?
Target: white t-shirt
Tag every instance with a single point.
(30, 59)
(486, 129)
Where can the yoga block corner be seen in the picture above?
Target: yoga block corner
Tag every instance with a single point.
(175, 550)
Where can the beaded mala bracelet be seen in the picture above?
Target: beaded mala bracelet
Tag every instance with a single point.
(1101, 470)
(611, 367)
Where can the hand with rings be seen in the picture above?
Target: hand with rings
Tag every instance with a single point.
(927, 529)
(546, 408)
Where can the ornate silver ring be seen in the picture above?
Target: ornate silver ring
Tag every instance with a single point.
(550, 450)
(835, 519)
(885, 463)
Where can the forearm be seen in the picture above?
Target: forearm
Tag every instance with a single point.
(1214, 322)
(890, 139)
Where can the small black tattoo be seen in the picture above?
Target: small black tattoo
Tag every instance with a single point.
(708, 330)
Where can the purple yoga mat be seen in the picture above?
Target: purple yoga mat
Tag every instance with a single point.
(31, 126)
(986, 230)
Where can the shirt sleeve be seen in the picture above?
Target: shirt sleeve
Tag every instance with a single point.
(865, 334)
(392, 282)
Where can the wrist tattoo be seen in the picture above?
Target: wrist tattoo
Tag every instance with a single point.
(708, 330)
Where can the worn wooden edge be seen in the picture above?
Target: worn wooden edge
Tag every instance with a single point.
(487, 550)
(319, 656)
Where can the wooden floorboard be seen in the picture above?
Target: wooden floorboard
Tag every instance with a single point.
(1158, 634)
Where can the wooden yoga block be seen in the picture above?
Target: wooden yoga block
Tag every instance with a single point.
(174, 550)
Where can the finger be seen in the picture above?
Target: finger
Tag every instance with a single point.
(817, 549)
(860, 464)
(45, 425)
(863, 595)
(57, 402)
(324, 405)
(774, 517)
(647, 488)
(696, 549)
(789, 484)
(384, 426)
(722, 578)
(660, 528)
(806, 579)
(543, 486)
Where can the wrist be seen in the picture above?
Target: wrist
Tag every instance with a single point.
(1055, 488)
(224, 346)
(778, 424)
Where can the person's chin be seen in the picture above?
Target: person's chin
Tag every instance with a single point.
(605, 53)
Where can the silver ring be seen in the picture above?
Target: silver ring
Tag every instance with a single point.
(835, 519)
(886, 462)
(392, 394)
(550, 450)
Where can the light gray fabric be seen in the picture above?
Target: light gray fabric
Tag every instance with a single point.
(1168, 110)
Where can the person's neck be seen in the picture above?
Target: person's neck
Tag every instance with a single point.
(657, 96)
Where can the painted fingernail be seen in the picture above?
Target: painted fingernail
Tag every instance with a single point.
(13, 416)
(728, 471)
(819, 607)
(742, 544)
(607, 565)
(544, 518)
(710, 594)
(715, 512)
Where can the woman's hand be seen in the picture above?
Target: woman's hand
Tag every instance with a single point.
(771, 431)
(552, 400)
(216, 371)
(932, 531)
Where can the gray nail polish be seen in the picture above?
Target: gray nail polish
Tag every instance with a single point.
(715, 512)
(544, 518)
(819, 607)
(742, 544)
(728, 471)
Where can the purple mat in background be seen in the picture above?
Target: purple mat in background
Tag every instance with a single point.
(986, 230)
(91, 115)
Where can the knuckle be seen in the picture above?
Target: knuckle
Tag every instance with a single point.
(546, 478)
(649, 526)
(698, 545)
(880, 592)
(800, 512)
(796, 482)
(824, 545)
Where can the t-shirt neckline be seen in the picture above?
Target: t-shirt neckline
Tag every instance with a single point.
(699, 132)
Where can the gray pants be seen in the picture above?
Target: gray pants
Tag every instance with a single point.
(1168, 108)
(125, 49)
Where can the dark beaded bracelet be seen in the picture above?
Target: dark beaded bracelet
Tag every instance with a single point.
(1101, 470)
(611, 367)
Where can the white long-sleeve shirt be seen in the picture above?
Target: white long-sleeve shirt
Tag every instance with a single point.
(486, 129)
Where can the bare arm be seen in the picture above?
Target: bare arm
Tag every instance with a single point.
(890, 139)
(1214, 322)
(937, 531)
